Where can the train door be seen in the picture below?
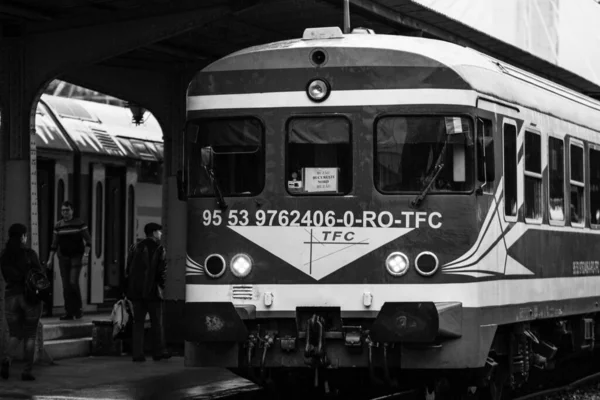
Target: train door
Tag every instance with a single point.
(45, 185)
(116, 239)
(97, 256)
(61, 185)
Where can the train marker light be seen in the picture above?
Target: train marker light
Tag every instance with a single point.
(397, 264)
(241, 265)
(318, 90)
(214, 265)
(427, 263)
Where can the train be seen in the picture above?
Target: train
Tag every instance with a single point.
(391, 210)
(93, 155)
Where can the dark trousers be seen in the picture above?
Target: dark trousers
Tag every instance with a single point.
(140, 309)
(22, 319)
(70, 269)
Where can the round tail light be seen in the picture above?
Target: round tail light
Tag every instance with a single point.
(214, 265)
(426, 263)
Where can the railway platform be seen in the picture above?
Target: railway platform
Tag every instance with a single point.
(120, 378)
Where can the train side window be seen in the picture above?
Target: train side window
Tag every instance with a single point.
(595, 186)
(510, 170)
(556, 164)
(485, 154)
(98, 222)
(577, 184)
(319, 156)
(533, 177)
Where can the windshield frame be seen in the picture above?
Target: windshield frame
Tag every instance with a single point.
(188, 144)
(471, 177)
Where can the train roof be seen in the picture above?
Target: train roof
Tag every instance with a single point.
(484, 74)
(97, 128)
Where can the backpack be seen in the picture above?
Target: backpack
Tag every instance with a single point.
(37, 286)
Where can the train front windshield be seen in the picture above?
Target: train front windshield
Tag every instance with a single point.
(411, 151)
(238, 159)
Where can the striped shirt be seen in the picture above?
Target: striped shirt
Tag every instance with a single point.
(70, 236)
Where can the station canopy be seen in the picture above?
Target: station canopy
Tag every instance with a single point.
(557, 39)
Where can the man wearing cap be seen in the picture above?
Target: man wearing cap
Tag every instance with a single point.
(145, 275)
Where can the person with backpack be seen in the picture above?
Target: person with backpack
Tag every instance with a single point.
(72, 240)
(145, 276)
(23, 307)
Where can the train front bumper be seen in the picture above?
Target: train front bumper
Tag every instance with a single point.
(421, 334)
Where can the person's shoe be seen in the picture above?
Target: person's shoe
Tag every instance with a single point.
(5, 369)
(67, 317)
(79, 315)
(139, 359)
(26, 376)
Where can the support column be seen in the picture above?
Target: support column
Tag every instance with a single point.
(18, 174)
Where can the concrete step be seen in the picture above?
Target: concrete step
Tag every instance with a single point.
(68, 348)
(67, 330)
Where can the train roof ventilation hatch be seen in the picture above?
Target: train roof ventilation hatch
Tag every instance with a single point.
(106, 141)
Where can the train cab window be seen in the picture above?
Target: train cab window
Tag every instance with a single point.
(556, 163)
(577, 185)
(60, 195)
(419, 152)
(533, 177)
(510, 170)
(237, 157)
(319, 156)
(595, 186)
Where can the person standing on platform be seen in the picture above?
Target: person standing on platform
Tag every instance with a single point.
(73, 242)
(145, 275)
(22, 311)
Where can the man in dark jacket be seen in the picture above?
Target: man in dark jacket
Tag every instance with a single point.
(145, 281)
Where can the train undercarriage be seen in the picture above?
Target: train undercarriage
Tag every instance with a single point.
(408, 345)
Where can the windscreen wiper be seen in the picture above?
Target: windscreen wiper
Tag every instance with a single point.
(437, 168)
(220, 199)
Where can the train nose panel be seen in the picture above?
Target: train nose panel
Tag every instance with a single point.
(419, 322)
(213, 322)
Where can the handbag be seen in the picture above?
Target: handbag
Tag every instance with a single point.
(37, 286)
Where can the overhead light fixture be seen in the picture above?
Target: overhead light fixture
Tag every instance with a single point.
(137, 113)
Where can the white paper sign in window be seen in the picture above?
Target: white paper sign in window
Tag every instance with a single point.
(321, 179)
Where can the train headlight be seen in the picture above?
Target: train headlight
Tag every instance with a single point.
(318, 90)
(215, 265)
(396, 264)
(426, 263)
(241, 265)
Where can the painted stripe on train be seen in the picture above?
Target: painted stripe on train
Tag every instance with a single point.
(338, 98)
(350, 296)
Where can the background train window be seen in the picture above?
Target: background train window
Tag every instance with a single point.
(510, 170)
(319, 156)
(60, 196)
(98, 222)
(130, 215)
(238, 157)
(577, 185)
(150, 172)
(595, 186)
(410, 150)
(556, 163)
(533, 176)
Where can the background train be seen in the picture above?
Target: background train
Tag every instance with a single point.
(362, 203)
(93, 155)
